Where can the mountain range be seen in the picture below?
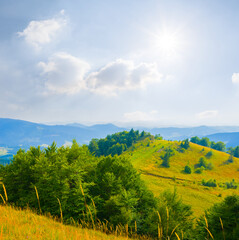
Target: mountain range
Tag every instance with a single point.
(18, 133)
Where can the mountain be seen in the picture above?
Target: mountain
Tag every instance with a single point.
(231, 139)
(25, 134)
(176, 133)
(18, 133)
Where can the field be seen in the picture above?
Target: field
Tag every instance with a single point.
(146, 158)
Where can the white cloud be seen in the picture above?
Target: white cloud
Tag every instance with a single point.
(122, 75)
(64, 73)
(235, 77)
(207, 114)
(44, 145)
(67, 144)
(141, 116)
(38, 33)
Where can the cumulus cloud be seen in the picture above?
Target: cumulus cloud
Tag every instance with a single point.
(122, 75)
(235, 77)
(207, 114)
(38, 33)
(64, 73)
(141, 116)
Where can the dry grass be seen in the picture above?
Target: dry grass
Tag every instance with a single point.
(24, 224)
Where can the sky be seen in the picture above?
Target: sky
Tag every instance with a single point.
(138, 62)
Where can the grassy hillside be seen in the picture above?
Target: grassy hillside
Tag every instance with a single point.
(24, 224)
(146, 157)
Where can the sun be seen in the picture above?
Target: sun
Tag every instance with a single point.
(167, 43)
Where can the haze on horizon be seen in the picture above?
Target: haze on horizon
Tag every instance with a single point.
(161, 62)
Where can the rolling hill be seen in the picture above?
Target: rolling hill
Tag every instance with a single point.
(146, 157)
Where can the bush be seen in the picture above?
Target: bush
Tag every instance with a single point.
(203, 162)
(166, 156)
(209, 183)
(209, 154)
(187, 169)
(231, 184)
(199, 170)
(210, 166)
(185, 144)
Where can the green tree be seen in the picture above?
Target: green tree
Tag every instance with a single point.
(205, 142)
(225, 212)
(166, 156)
(220, 146)
(195, 140)
(187, 169)
(173, 215)
(185, 144)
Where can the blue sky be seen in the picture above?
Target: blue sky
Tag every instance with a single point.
(153, 62)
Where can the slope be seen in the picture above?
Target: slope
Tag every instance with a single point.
(146, 157)
(24, 224)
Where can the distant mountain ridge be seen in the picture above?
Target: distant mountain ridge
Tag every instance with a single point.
(23, 133)
(18, 133)
(231, 139)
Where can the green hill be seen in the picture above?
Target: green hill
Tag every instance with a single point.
(146, 157)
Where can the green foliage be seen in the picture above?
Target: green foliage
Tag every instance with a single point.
(222, 220)
(187, 169)
(204, 163)
(106, 188)
(231, 184)
(121, 195)
(158, 137)
(185, 144)
(171, 214)
(205, 142)
(117, 143)
(209, 154)
(220, 146)
(195, 140)
(200, 170)
(209, 183)
(169, 152)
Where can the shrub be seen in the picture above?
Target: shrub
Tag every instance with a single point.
(185, 144)
(231, 184)
(209, 183)
(187, 169)
(199, 170)
(165, 158)
(209, 154)
(203, 162)
(210, 166)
